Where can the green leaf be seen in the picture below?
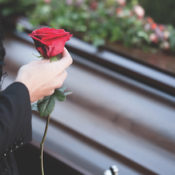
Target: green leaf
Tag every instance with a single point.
(172, 39)
(59, 94)
(143, 35)
(67, 93)
(62, 89)
(116, 34)
(46, 106)
(98, 41)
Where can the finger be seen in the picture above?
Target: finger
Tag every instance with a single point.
(63, 76)
(64, 62)
(50, 92)
(66, 59)
(65, 52)
(40, 62)
(59, 66)
(60, 80)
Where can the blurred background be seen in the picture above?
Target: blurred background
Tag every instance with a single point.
(122, 108)
(146, 27)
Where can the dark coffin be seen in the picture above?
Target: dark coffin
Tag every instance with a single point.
(28, 159)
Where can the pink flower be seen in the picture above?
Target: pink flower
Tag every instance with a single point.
(153, 26)
(139, 11)
(79, 2)
(94, 5)
(121, 2)
(69, 2)
(152, 23)
(47, 1)
(150, 20)
(153, 37)
(120, 12)
(162, 27)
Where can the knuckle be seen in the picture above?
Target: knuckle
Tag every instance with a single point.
(59, 84)
(71, 60)
(65, 73)
(50, 92)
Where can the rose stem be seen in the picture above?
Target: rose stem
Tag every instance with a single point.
(42, 144)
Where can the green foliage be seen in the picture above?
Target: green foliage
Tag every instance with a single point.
(98, 22)
(96, 25)
(60, 94)
(13, 7)
(92, 25)
(46, 105)
(172, 39)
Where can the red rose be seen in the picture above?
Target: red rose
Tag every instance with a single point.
(153, 26)
(94, 5)
(49, 41)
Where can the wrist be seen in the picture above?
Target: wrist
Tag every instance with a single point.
(27, 87)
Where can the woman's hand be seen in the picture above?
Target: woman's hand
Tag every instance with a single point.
(43, 77)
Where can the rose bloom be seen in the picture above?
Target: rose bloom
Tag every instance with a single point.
(94, 5)
(161, 27)
(153, 37)
(152, 23)
(139, 11)
(153, 26)
(121, 2)
(49, 41)
(150, 20)
(119, 11)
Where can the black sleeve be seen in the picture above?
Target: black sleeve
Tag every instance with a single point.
(15, 117)
(2, 50)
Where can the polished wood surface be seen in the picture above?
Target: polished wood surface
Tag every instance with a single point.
(107, 120)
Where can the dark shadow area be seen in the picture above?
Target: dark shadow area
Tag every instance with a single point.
(28, 160)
